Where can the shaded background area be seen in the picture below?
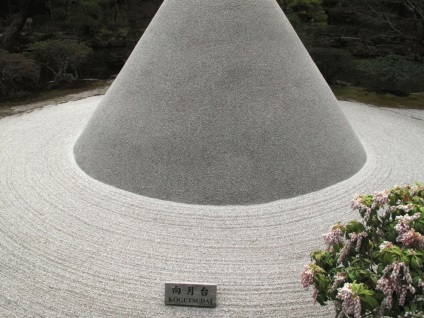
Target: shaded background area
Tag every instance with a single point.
(374, 44)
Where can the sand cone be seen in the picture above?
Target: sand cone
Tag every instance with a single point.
(219, 104)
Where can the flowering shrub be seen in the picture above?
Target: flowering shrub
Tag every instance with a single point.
(374, 267)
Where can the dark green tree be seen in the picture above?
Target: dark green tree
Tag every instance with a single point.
(18, 21)
(305, 10)
(61, 57)
(332, 62)
(390, 21)
(17, 73)
(394, 74)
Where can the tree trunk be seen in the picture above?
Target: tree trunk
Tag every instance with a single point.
(12, 33)
(134, 33)
(117, 13)
(9, 7)
(51, 10)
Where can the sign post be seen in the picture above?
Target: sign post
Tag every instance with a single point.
(190, 294)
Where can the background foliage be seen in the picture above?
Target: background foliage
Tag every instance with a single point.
(376, 44)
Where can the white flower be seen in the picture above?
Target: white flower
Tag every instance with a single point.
(351, 303)
(386, 245)
(381, 198)
(357, 203)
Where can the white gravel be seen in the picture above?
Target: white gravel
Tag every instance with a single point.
(71, 246)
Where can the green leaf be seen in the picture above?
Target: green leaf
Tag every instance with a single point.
(416, 262)
(371, 301)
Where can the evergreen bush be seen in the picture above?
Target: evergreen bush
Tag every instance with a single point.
(17, 73)
(393, 74)
(61, 58)
(374, 267)
(333, 63)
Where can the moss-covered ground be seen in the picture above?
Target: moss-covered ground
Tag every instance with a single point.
(362, 95)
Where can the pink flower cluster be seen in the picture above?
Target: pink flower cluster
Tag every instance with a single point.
(344, 251)
(351, 302)
(407, 207)
(411, 238)
(358, 237)
(307, 277)
(338, 279)
(386, 245)
(408, 236)
(380, 198)
(367, 215)
(392, 282)
(334, 235)
(415, 189)
(353, 237)
(357, 203)
(403, 222)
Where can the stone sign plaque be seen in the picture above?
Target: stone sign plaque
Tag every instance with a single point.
(190, 294)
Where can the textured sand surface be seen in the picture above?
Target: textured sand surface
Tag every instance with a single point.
(71, 246)
(220, 104)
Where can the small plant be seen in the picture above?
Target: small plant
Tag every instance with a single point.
(374, 267)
